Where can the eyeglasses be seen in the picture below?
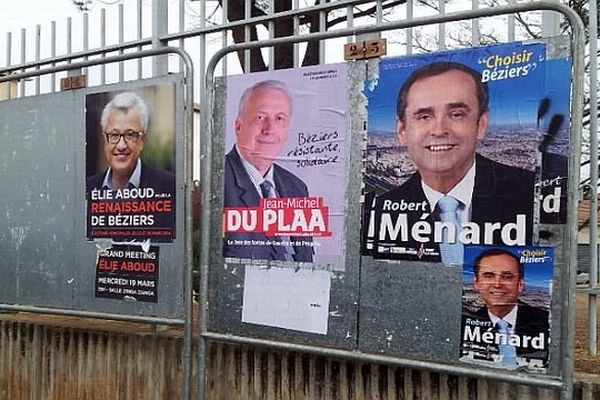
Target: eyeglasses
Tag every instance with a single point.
(492, 276)
(128, 136)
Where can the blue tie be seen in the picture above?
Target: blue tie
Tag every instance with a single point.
(507, 352)
(284, 253)
(452, 253)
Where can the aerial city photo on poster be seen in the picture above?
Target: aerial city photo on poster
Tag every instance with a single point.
(464, 147)
(505, 306)
(130, 159)
(285, 165)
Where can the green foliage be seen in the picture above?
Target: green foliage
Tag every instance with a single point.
(159, 155)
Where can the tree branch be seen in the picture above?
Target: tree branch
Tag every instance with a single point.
(236, 12)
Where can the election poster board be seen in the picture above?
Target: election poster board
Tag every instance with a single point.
(57, 263)
(130, 164)
(283, 168)
(466, 153)
(506, 306)
(416, 309)
(289, 128)
(485, 126)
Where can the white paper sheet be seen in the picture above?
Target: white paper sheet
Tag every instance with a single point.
(287, 298)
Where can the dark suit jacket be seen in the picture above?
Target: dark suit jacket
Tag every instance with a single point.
(240, 192)
(500, 193)
(160, 180)
(531, 321)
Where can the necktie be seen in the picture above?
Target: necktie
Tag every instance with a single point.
(452, 253)
(508, 353)
(280, 252)
(267, 190)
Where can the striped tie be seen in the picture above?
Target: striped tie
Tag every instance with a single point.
(452, 253)
(507, 352)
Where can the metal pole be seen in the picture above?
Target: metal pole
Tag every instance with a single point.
(121, 41)
(38, 38)
(188, 145)
(247, 55)
(442, 27)
(53, 54)
(550, 23)
(139, 14)
(511, 24)
(103, 44)
(568, 328)
(86, 37)
(23, 56)
(593, 273)
(160, 24)
(475, 25)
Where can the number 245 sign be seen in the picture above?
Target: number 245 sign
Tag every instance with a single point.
(365, 49)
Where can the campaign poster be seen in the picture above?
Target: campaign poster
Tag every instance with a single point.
(285, 165)
(506, 306)
(130, 164)
(554, 146)
(127, 273)
(457, 152)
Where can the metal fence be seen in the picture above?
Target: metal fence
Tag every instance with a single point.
(593, 288)
(202, 27)
(44, 359)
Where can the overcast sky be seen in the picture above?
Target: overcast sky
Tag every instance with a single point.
(17, 14)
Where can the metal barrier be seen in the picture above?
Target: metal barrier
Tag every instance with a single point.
(160, 37)
(565, 384)
(187, 270)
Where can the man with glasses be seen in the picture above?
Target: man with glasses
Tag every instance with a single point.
(498, 278)
(124, 123)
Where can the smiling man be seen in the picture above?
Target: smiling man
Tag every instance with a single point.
(129, 199)
(442, 113)
(498, 277)
(261, 130)
(124, 124)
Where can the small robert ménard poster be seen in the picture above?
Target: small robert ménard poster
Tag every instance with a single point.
(506, 306)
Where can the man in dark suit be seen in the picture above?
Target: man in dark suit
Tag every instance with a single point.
(498, 277)
(442, 112)
(124, 123)
(261, 130)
